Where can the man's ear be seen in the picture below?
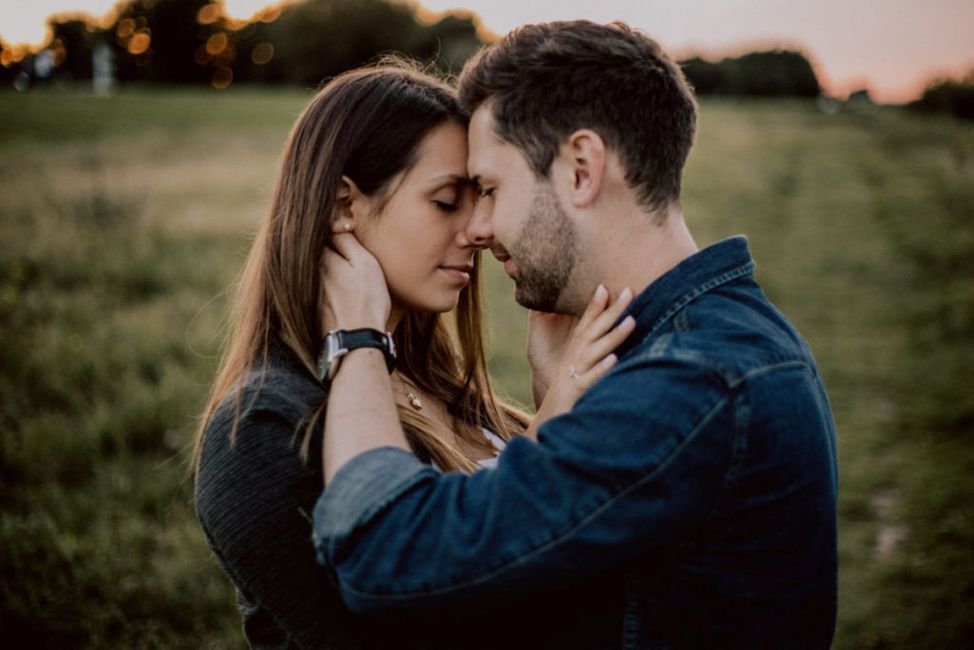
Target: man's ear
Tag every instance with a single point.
(350, 206)
(583, 161)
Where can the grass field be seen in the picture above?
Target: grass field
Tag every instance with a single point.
(124, 219)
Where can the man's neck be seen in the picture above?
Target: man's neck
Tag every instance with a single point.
(636, 256)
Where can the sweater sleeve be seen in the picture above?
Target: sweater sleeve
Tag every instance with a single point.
(254, 496)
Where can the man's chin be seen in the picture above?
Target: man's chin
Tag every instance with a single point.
(531, 300)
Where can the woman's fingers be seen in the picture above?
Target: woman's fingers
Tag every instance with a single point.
(603, 321)
(584, 380)
(594, 344)
(600, 348)
(595, 307)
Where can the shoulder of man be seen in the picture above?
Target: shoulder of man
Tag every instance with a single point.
(728, 345)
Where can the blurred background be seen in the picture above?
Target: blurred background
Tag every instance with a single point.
(138, 147)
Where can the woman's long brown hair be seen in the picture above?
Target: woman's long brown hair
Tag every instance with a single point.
(366, 124)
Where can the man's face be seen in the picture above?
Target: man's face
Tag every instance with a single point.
(531, 233)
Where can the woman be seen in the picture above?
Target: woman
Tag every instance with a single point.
(379, 153)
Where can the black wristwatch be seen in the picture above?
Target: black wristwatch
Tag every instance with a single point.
(338, 343)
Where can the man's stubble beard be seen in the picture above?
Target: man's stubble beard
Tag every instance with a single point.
(545, 254)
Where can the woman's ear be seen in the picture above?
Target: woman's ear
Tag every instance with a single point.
(349, 206)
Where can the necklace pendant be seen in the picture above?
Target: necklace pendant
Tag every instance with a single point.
(414, 401)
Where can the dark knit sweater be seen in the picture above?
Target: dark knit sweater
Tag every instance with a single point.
(254, 499)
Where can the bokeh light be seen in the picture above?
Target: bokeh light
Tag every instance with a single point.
(262, 53)
(216, 43)
(139, 43)
(208, 14)
(222, 77)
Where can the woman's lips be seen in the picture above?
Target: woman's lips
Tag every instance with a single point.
(458, 273)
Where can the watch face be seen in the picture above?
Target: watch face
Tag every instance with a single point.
(330, 356)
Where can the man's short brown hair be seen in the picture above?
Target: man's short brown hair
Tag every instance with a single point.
(543, 82)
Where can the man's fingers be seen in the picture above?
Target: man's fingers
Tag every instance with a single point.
(349, 247)
(329, 258)
(341, 242)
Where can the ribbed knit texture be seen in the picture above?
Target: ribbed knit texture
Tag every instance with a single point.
(254, 497)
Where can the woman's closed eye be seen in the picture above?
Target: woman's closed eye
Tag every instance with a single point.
(484, 192)
(445, 206)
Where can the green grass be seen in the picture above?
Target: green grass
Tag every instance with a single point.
(124, 219)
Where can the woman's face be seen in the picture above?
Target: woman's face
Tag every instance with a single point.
(419, 236)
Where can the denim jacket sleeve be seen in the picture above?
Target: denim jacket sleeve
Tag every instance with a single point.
(643, 457)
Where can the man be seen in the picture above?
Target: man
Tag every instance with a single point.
(688, 498)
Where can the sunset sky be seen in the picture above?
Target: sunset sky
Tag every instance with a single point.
(890, 46)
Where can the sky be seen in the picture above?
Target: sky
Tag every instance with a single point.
(891, 47)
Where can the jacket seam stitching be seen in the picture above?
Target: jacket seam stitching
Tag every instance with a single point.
(723, 278)
(757, 372)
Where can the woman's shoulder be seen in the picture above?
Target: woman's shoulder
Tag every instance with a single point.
(280, 387)
(257, 429)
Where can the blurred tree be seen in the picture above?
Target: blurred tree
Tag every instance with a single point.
(181, 41)
(955, 97)
(775, 73)
(450, 42)
(317, 39)
(76, 38)
(8, 68)
(158, 40)
(706, 76)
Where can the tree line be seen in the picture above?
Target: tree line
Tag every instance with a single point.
(194, 41)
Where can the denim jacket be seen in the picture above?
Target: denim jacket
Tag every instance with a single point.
(687, 500)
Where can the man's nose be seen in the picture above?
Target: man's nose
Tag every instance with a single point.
(479, 231)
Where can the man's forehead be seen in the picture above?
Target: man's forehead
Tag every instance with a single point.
(485, 146)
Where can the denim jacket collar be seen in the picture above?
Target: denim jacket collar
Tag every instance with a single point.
(703, 271)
